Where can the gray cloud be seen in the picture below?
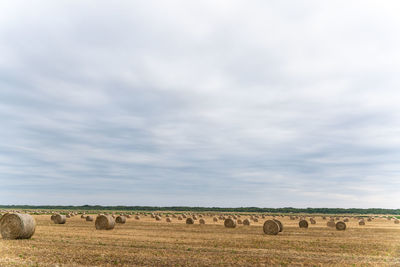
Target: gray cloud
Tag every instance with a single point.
(226, 103)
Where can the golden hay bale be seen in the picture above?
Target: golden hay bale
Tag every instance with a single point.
(104, 222)
(255, 220)
(158, 218)
(180, 218)
(312, 221)
(215, 219)
(120, 219)
(184, 216)
(239, 221)
(194, 217)
(303, 224)
(89, 218)
(17, 226)
(59, 219)
(271, 227)
(246, 222)
(230, 223)
(189, 221)
(396, 221)
(331, 224)
(202, 221)
(279, 224)
(361, 222)
(53, 217)
(340, 226)
(83, 216)
(346, 220)
(168, 219)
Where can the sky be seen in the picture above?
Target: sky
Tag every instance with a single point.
(200, 103)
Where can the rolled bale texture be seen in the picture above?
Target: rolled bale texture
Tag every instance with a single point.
(271, 227)
(246, 222)
(120, 219)
(104, 222)
(202, 221)
(168, 219)
(17, 226)
(361, 222)
(215, 219)
(189, 221)
(230, 223)
(280, 224)
(340, 226)
(89, 218)
(396, 221)
(312, 221)
(59, 219)
(303, 224)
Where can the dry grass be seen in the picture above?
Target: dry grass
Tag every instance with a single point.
(157, 243)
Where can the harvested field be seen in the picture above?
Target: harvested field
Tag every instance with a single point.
(157, 243)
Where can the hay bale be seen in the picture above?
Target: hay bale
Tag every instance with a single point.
(239, 221)
(89, 218)
(246, 222)
(104, 222)
(346, 220)
(271, 227)
(137, 217)
(120, 219)
(180, 218)
(340, 226)
(17, 226)
(59, 219)
(215, 219)
(230, 223)
(280, 224)
(396, 221)
(168, 220)
(361, 222)
(331, 224)
(303, 224)
(83, 216)
(202, 221)
(312, 221)
(189, 221)
(53, 217)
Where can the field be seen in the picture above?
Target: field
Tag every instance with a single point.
(158, 243)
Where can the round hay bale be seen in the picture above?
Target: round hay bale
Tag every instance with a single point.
(346, 220)
(246, 222)
(340, 226)
(53, 217)
(17, 226)
(180, 218)
(331, 224)
(83, 216)
(215, 219)
(230, 223)
(89, 218)
(312, 221)
(168, 219)
(120, 219)
(361, 222)
(104, 222)
(189, 221)
(280, 224)
(59, 219)
(396, 221)
(271, 227)
(158, 218)
(202, 221)
(303, 224)
(239, 221)
(137, 217)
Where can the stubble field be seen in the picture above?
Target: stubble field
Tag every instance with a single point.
(158, 243)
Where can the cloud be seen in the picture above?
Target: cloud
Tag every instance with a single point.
(225, 103)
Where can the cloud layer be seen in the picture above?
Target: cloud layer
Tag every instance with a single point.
(215, 103)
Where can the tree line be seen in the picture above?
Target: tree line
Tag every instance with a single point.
(213, 209)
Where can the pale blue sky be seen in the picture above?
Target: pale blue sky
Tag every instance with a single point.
(200, 103)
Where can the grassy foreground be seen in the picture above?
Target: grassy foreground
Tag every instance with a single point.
(158, 243)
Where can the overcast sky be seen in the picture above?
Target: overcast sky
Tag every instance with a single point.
(200, 103)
